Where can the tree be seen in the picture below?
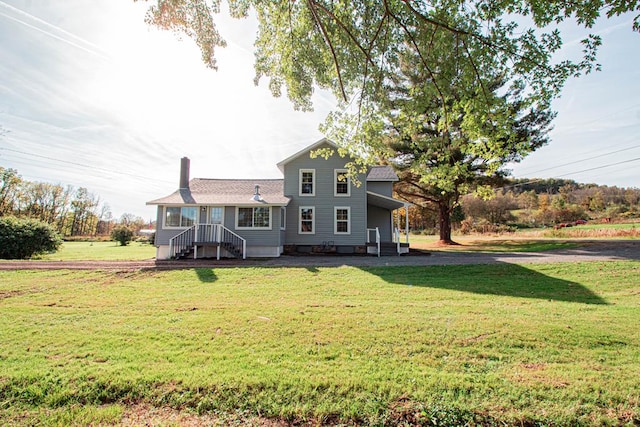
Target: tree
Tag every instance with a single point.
(351, 47)
(23, 238)
(9, 183)
(449, 130)
(503, 75)
(122, 234)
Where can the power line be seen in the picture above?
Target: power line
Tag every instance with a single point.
(583, 160)
(533, 181)
(603, 166)
(85, 165)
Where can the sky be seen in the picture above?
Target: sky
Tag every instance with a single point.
(92, 96)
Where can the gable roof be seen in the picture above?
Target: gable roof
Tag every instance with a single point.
(312, 147)
(382, 173)
(227, 192)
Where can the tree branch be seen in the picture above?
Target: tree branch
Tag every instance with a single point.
(330, 44)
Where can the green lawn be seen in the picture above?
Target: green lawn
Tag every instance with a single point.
(552, 344)
(101, 251)
(479, 243)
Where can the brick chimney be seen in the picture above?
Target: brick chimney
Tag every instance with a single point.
(184, 173)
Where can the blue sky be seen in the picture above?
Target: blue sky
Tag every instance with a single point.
(92, 96)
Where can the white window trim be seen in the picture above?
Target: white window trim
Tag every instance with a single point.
(313, 183)
(179, 227)
(208, 214)
(237, 227)
(335, 183)
(283, 218)
(313, 220)
(335, 220)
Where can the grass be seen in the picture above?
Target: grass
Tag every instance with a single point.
(479, 243)
(101, 251)
(530, 240)
(597, 231)
(548, 344)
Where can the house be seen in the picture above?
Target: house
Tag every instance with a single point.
(315, 208)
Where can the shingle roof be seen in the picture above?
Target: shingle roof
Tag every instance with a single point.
(382, 173)
(228, 192)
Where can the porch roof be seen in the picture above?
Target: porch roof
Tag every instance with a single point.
(227, 192)
(385, 202)
(382, 173)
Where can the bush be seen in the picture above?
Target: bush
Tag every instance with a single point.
(122, 234)
(23, 238)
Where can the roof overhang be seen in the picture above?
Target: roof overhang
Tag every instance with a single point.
(311, 147)
(385, 202)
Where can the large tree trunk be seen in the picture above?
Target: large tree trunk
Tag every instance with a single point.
(445, 224)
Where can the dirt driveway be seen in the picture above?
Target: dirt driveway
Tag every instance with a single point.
(594, 250)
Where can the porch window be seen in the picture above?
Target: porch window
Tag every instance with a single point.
(180, 217)
(343, 222)
(215, 215)
(341, 183)
(283, 218)
(253, 218)
(307, 182)
(307, 220)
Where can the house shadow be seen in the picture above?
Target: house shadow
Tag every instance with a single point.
(206, 275)
(504, 279)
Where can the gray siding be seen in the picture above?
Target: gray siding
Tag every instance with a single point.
(381, 187)
(381, 218)
(254, 237)
(324, 202)
(163, 235)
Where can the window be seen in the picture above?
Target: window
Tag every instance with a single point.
(341, 183)
(307, 220)
(283, 218)
(307, 182)
(253, 218)
(342, 224)
(215, 215)
(180, 217)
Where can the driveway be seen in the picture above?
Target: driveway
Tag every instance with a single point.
(603, 250)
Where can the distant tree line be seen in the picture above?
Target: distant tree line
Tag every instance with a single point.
(533, 203)
(70, 211)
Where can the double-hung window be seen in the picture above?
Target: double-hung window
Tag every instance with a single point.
(307, 220)
(341, 187)
(342, 224)
(253, 217)
(307, 182)
(180, 217)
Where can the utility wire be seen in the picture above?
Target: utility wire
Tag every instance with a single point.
(603, 166)
(583, 160)
(533, 181)
(84, 165)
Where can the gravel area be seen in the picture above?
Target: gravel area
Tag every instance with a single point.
(592, 250)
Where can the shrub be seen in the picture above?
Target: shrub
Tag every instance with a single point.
(23, 238)
(122, 234)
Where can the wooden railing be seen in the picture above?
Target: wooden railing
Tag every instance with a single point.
(377, 230)
(396, 239)
(182, 242)
(236, 243)
(207, 234)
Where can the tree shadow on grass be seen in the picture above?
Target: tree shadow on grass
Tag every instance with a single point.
(498, 279)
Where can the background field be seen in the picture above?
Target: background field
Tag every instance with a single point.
(548, 344)
(101, 251)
